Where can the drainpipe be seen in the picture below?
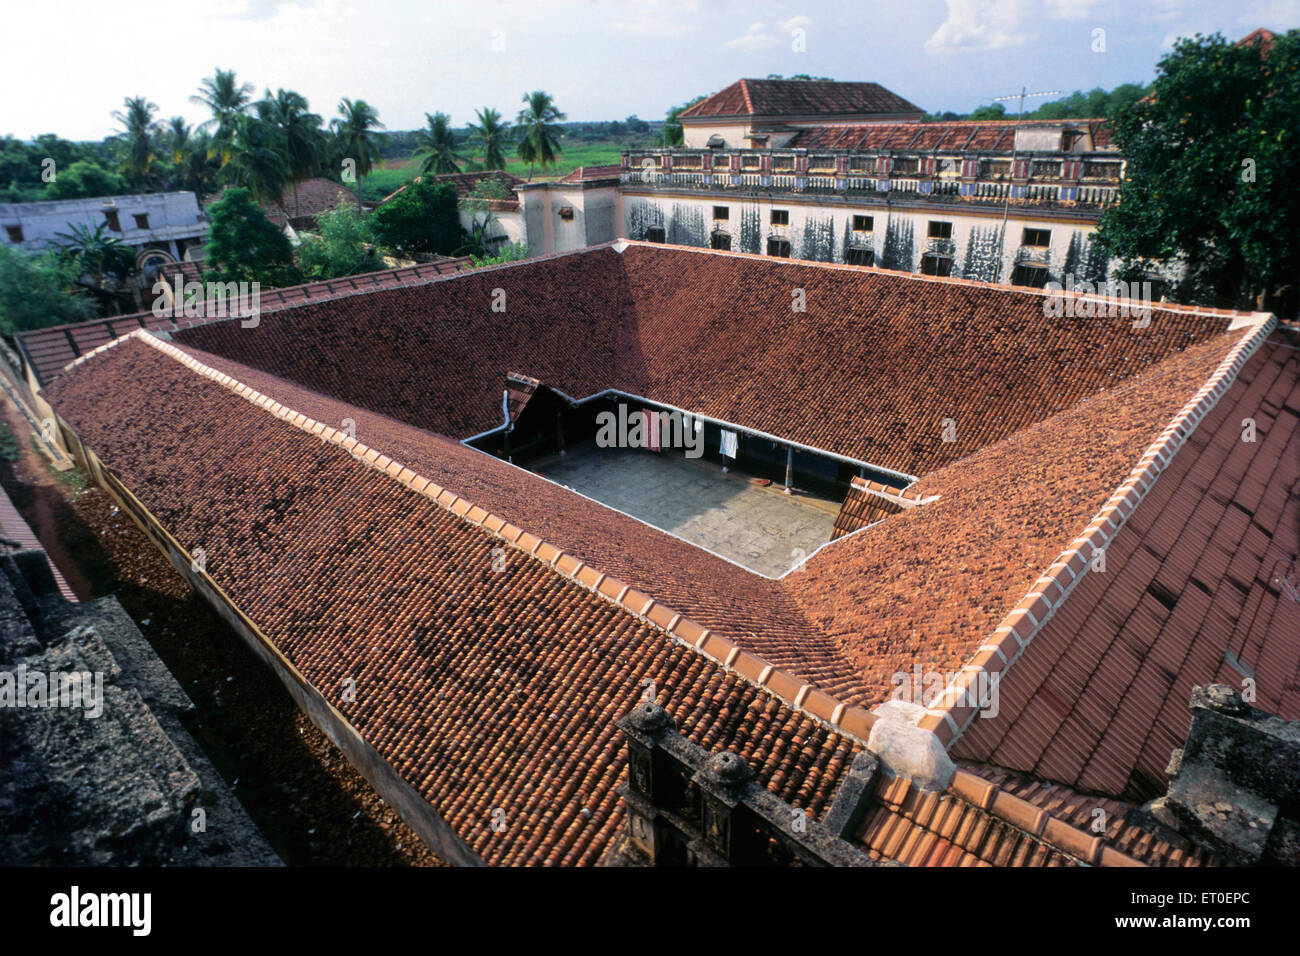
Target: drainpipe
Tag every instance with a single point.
(789, 469)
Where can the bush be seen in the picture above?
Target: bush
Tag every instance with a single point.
(245, 246)
(423, 219)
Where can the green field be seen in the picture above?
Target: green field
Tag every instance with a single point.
(398, 172)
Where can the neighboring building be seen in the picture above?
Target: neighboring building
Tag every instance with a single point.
(530, 676)
(992, 201)
(168, 223)
(751, 114)
(844, 172)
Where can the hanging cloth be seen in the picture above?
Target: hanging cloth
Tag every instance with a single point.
(728, 444)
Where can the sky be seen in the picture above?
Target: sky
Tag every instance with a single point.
(67, 68)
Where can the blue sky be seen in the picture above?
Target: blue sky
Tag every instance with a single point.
(601, 59)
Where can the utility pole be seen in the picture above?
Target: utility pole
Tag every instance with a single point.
(1006, 205)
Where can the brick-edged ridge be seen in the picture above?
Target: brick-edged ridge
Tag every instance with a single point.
(1018, 628)
(1051, 831)
(851, 721)
(905, 497)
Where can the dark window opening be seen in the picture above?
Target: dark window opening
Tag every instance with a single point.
(863, 223)
(780, 217)
(656, 234)
(1068, 138)
(15, 233)
(856, 256)
(936, 266)
(721, 240)
(1034, 277)
(1037, 237)
(110, 215)
(721, 212)
(566, 212)
(141, 220)
(779, 248)
(939, 230)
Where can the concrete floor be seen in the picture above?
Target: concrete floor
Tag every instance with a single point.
(760, 528)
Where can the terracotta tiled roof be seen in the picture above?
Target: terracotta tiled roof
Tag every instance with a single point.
(587, 173)
(491, 690)
(1051, 415)
(980, 136)
(48, 350)
(1200, 586)
(800, 98)
(1262, 38)
(862, 507)
(893, 355)
(312, 197)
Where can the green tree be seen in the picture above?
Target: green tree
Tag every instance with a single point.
(245, 246)
(489, 137)
(1213, 156)
(227, 99)
(299, 134)
(342, 246)
(436, 147)
(994, 111)
(96, 257)
(422, 219)
(255, 160)
(539, 120)
(139, 133)
(356, 134)
(672, 133)
(38, 290)
(85, 179)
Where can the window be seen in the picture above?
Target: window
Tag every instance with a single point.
(780, 217)
(1037, 237)
(721, 240)
(15, 233)
(566, 212)
(779, 248)
(1069, 137)
(141, 220)
(863, 223)
(722, 212)
(110, 216)
(1035, 277)
(857, 256)
(906, 167)
(783, 164)
(655, 234)
(936, 266)
(939, 230)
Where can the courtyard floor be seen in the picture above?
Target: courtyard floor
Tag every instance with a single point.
(758, 527)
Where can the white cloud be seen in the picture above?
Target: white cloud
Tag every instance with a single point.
(649, 26)
(1072, 9)
(755, 38)
(982, 25)
(794, 23)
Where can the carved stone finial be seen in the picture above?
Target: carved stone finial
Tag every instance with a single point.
(649, 718)
(727, 769)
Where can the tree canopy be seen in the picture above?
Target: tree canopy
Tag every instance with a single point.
(422, 219)
(245, 246)
(1213, 158)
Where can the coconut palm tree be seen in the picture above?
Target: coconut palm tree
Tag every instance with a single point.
(356, 136)
(96, 256)
(539, 120)
(299, 134)
(436, 148)
(179, 134)
(490, 137)
(139, 131)
(227, 99)
(256, 161)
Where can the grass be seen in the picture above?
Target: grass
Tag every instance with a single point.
(10, 450)
(398, 172)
